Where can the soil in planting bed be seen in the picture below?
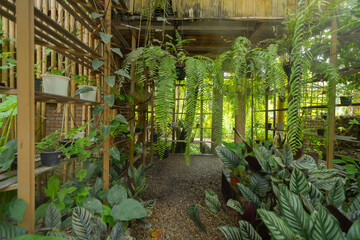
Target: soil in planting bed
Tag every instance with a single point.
(176, 186)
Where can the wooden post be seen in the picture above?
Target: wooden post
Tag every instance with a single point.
(132, 91)
(45, 9)
(26, 109)
(331, 112)
(107, 68)
(240, 116)
(217, 111)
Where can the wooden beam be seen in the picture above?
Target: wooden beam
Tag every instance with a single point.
(257, 29)
(26, 110)
(107, 68)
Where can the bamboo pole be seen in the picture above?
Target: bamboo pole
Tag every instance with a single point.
(72, 27)
(107, 69)
(45, 9)
(12, 50)
(331, 112)
(26, 110)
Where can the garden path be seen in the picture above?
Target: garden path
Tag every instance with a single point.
(175, 186)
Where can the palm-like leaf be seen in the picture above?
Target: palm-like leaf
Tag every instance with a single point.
(231, 233)
(81, 223)
(293, 213)
(8, 231)
(299, 183)
(247, 231)
(336, 195)
(52, 217)
(117, 231)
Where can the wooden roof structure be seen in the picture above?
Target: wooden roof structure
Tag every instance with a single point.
(213, 23)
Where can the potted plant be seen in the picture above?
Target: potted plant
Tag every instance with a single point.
(55, 83)
(49, 149)
(346, 97)
(87, 90)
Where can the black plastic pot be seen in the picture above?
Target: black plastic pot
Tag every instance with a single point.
(269, 125)
(320, 132)
(180, 72)
(38, 82)
(345, 100)
(50, 158)
(66, 143)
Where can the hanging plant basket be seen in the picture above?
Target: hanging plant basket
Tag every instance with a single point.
(88, 96)
(50, 158)
(55, 84)
(345, 100)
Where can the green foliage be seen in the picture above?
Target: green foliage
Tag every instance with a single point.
(8, 231)
(212, 201)
(52, 217)
(193, 212)
(127, 210)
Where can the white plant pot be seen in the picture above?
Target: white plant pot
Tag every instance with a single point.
(55, 84)
(76, 136)
(88, 96)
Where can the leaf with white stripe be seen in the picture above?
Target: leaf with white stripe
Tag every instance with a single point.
(354, 231)
(231, 233)
(293, 212)
(194, 215)
(336, 195)
(352, 216)
(354, 205)
(315, 193)
(52, 217)
(212, 201)
(298, 182)
(235, 205)
(259, 184)
(277, 227)
(247, 231)
(326, 227)
(228, 157)
(81, 223)
(249, 195)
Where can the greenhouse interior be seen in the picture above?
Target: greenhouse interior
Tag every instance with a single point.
(180, 119)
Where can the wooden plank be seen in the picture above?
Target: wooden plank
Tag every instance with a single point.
(26, 109)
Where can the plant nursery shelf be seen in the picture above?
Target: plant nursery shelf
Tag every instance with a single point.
(7, 184)
(50, 98)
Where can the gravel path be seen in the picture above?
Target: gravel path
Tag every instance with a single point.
(175, 186)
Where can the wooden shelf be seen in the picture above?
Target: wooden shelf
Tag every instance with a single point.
(8, 184)
(50, 98)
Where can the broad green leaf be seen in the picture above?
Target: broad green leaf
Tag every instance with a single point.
(325, 225)
(354, 231)
(117, 194)
(52, 217)
(235, 205)
(98, 184)
(193, 212)
(81, 223)
(249, 195)
(16, 209)
(53, 187)
(352, 216)
(327, 184)
(336, 195)
(117, 51)
(110, 80)
(120, 118)
(324, 173)
(259, 184)
(97, 63)
(277, 227)
(128, 210)
(260, 158)
(115, 153)
(293, 212)
(354, 205)
(287, 154)
(298, 182)
(96, 15)
(105, 37)
(212, 201)
(57, 235)
(315, 193)
(85, 89)
(122, 72)
(110, 99)
(247, 231)
(105, 130)
(93, 205)
(8, 231)
(117, 231)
